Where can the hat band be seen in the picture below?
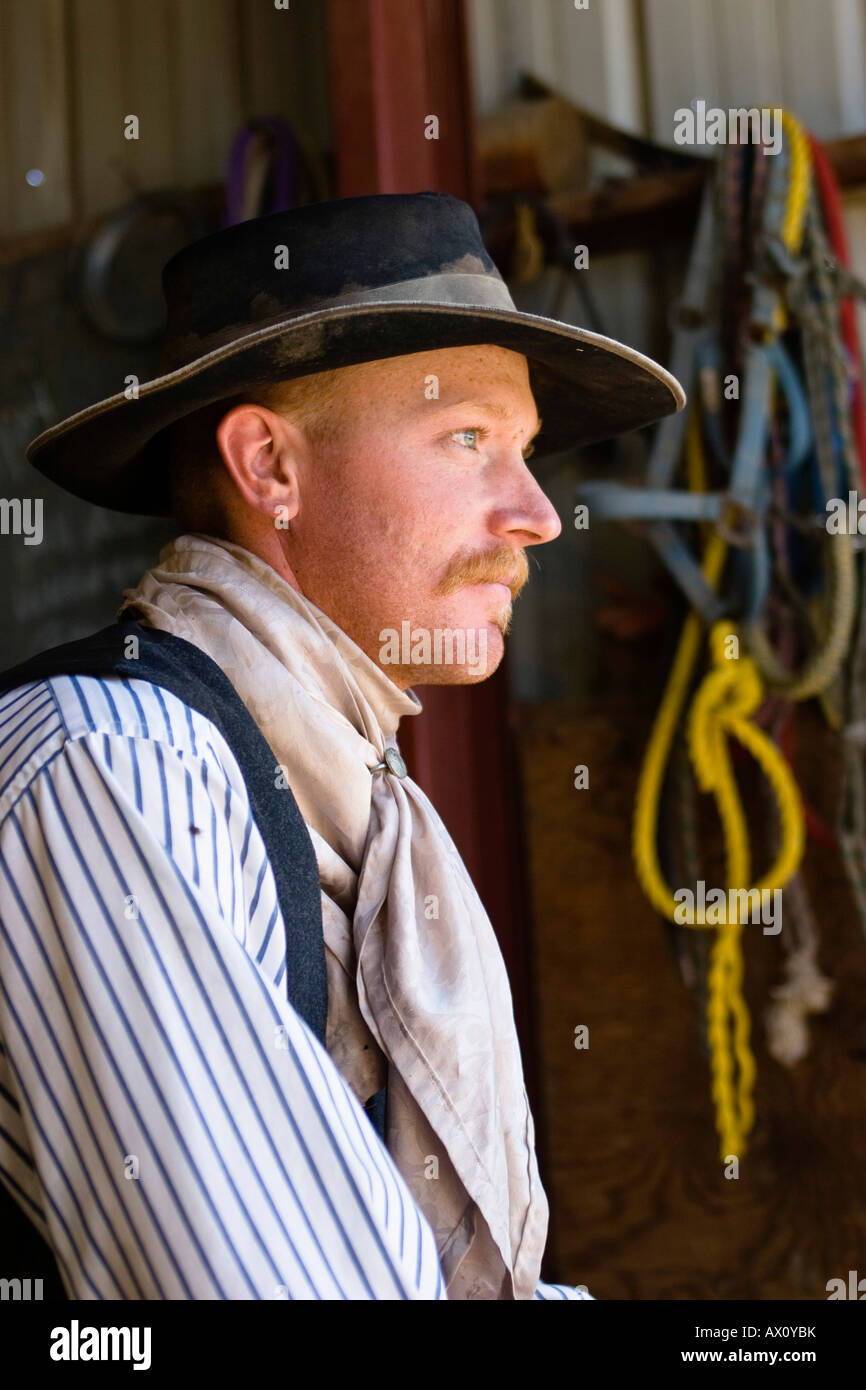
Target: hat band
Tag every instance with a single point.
(459, 291)
(484, 291)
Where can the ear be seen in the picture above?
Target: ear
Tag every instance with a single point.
(264, 453)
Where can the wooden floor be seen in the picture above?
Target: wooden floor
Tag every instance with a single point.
(640, 1207)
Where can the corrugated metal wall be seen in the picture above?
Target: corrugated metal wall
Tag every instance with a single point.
(590, 55)
(634, 62)
(799, 54)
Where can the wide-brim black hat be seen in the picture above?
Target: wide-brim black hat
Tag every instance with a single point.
(327, 285)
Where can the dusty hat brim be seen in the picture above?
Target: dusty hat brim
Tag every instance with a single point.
(587, 388)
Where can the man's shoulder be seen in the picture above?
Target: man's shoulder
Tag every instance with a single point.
(42, 718)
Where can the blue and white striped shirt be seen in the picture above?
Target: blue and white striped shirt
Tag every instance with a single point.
(167, 1120)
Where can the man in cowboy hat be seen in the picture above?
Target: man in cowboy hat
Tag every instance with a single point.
(257, 1033)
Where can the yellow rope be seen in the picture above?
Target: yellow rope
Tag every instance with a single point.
(658, 749)
(799, 189)
(722, 706)
(728, 695)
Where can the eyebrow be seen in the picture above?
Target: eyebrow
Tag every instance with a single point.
(501, 412)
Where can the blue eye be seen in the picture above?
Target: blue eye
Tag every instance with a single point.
(480, 430)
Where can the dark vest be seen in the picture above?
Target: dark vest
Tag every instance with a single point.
(186, 671)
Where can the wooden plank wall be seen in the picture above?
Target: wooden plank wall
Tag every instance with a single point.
(71, 71)
(33, 127)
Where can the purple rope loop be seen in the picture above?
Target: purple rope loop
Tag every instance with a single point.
(285, 159)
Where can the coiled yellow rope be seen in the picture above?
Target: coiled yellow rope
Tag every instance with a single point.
(722, 706)
(729, 694)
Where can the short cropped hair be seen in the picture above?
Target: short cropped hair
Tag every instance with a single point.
(190, 446)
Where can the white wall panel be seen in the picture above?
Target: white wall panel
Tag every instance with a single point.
(623, 66)
(807, 34)
(682, 59)
(850, 36)
(746, 36)
(806, 55)
(590, 56)
(488, 54)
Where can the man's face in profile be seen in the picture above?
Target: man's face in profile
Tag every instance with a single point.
(418, 511)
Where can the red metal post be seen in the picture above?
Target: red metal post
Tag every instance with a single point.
(394, 63)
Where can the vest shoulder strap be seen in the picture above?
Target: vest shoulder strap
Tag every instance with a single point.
(131, 650)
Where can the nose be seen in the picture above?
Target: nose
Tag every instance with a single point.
(530, 518)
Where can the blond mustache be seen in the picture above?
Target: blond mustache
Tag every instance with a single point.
(499, 567)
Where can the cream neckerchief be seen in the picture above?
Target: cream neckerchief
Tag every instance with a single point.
(415, 973)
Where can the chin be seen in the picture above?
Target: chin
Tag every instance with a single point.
(482, 660)
(458, 644)
(454, 675)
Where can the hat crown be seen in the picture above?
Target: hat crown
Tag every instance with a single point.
(330, 285)
(297, 261)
